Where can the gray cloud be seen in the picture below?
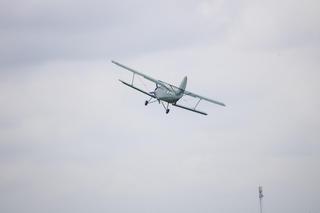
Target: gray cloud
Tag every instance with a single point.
(74, 139)
(41, 31)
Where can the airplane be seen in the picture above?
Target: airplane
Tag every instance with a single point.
(166, 93)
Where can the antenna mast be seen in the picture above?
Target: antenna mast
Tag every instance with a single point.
(260, 198)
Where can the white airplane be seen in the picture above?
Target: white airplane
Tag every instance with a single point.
(166, 93)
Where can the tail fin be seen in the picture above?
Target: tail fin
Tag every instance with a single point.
(182, 87)
(183, 83)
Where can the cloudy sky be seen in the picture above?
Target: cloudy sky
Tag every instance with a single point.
(74, 139)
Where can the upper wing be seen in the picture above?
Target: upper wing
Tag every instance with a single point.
(203, 98)
(136, 72)
(162, 83)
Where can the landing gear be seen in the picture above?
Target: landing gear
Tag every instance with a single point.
(148, 102)
(166, 107)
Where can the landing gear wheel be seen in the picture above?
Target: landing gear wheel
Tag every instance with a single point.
(167, 111)
(146, 103)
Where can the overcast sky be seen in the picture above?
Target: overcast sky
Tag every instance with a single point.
(74, 139)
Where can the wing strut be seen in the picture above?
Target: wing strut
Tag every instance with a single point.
(197, 104)
(132, 78)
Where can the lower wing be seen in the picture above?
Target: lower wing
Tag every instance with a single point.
(200, 99)
(190, 109)
(136, 88)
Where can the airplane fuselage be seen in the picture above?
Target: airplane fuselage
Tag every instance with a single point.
(170, 94)
(167, 95)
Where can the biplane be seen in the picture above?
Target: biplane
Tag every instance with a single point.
(166, 93)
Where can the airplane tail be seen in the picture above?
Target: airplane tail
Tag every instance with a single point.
(182, 87)
(183, 83)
